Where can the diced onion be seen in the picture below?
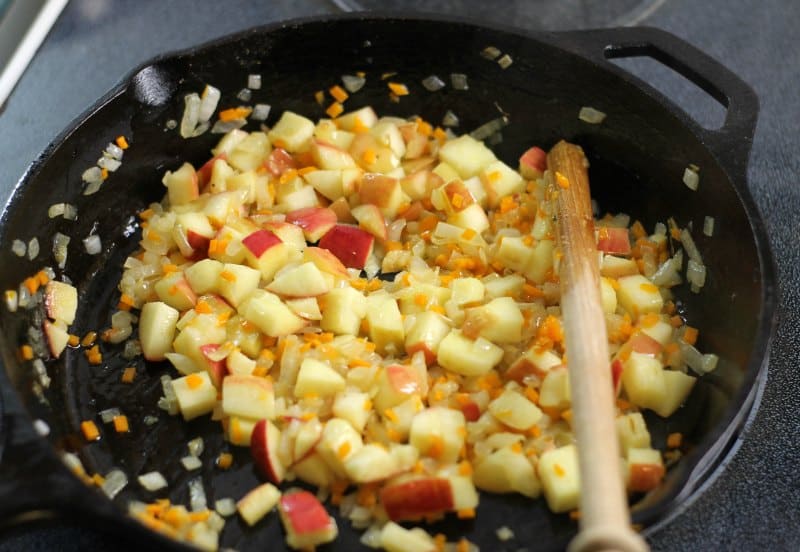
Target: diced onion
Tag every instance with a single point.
(19, 248)
(41, 372)
(432, 83)
(487, 129)
(591, 115)
(92, 244)
(491, 53)
(114, 482)
(225, 507)
(60, 243)
(150, 420)
(504, 533)
(196, 446)
(92, 175)
(55, 210)
(92, 188)
(708, 226)
(690, 247)
(171, 124)
(41, 427)
(191, 114)
(12, 300)
(459, 81)
(197, 495)
(668, 274)
(353, 83)
(260, 112)
(701, 364)
(208, 104)
(691, 179)
(132, 349)
(245, 94)
(223, 127)
(169, 401)
(109, 414)
(33, 248)
(505, 61)
(191, 463)
(152, 481)
(108, 164)
(372, 537)
(254, 81)
(114, 151)
(450, 119)
(695, 274)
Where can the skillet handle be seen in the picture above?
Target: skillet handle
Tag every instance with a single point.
(732, 141)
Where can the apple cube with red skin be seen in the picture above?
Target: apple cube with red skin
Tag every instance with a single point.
(425, 334)
(533, 163)
(266, 252)
(315, 221)
(303, 280)
(264, 443)
(382, 191)
(248, 396)
(305, 520)
(157, 323)
(236, 282)
(217, 369)
(279, 161)
(258, 502)
(645, 469)
(351, 245)
(438, 432)
(396, 383)
(325, 261)
(175, 291)
(614, 241)
(204, 172)
(61, 301)
(289, 234)
(329, 157)
(57, 337)
(182, 185)
(411, 498)
(371, 219)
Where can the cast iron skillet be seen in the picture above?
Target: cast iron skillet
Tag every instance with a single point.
(638, 156)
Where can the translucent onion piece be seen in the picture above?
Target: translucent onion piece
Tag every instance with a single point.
(690, 247)
(695, 274)
(191, 463)
(150, 420)
(490, 52)
(33, 248)
(260, 112)
(254, 82)
(92, 244)
(196, 446)
(60, 243)
(55, 210)
(708, 226)
(487, 129)
(432, 83)
(197, 495)
(691, 179)
(225, 507)
(92, 188)
(459, 81)
(191, 114)
(114, 151)
(115, 481)
(108, 414)
(19, 248)
(169, 401)
(152, 481)
(41, 427)
(70, 212)
(132, 349)
(668, 274)
(11, 299)
(223, 127)
(108, 164)
(353, 83)
(245, 94)
(450, 119)
(201, 129)
(692, 357)
(93, 174)
(41, 372)
(591, 115)
(208, 104)
(505, 61)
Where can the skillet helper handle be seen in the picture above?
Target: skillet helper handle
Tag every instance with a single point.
(605, 521)
(733, 140)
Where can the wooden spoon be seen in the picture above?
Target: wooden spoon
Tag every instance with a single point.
(605, 520)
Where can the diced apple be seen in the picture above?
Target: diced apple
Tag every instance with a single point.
(353, 406)
(329, 157)
(632, 432)
(415, 498)
(468, 357)
(426, 333)
(303, 280)
(643, 380)
(307, 438)
(175, 291)
(466, 290)
(466, 155)
(292, 132)
(421, 297)
(327, 131)
(507, 470)
(271, 315)
(385, 322)
(541, 262)
(343, 310)
(339, 441)
(677, 388)
(357, 121)
(513, 253)
(264, 443)
(533, 163)
(278, 162)
(438, 432)
(61, 301)
(239, 364)
(382, 191)
(532, 362)
(503, 286)
(473, 216)
(500, 181)
(370, 463)
(157, 329)
(560, 477)
(613, 240)
(257, 503)
(315, 221)
(305, 521)
(247, 182)
(235, 282)
(645, 469)
(239, 431)
(181, 185)
(351, 245)
(220, 206)
(289, 234)
(638, 295)
(57, 337)
(333, 183)
(195, 222)
(196, 394)
(266, 252)
(204, 172)
(617, 267)
(515, 410)
(500, 321)
(371, 219)
(325, 261)
(387, 133)
(305, 307)
(555, 391)
(250, 153)
(214, 365)
(608, 296)
(248, 396)
(395, 538)
(319, 378)
(396, 383)
(221, 171)
(661, 331)
(303, 198)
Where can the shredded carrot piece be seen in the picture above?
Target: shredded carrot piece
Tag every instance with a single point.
(674, 440)
(575, 515)
(228, 276)
(690, 335)
(676, 321)
(235, 113)
(463, 545)
(559, 470)
(202, 307)
(224, 460)
(319, 96)
(129, 374)
(369, 156)
(32, 284)
(194, 381)
(94, 356)
(532, 395)
(74, 340)
(648, 287)
(516, 447)
(567, 415)
(343, 450)
(42, 277)
(638, 231)
(562, 181)
(649, 320)
(670, 348)
(466, 513)
(104, 173)
(535, 431)
(334, 110)
(366, 495)
(439, 542)
(338, 93)
(26, 352)
(121, 424)
(90, 431)
(169, 268)
(436, 448)
(359, 127)
(122, 143)
(398, 89)
(440, 134)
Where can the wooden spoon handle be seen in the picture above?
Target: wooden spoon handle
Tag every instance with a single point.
(605, 520)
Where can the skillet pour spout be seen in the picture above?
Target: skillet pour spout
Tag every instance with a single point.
(637, 158)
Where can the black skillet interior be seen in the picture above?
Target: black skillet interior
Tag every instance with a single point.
(637, 155)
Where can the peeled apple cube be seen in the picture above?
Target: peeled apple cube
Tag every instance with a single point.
(507, 470)
(157, 329)
(464, 356)
(608, 296)
(677, 388)
(61, 301)
(395, 538)
(292, 132)
(632, 432)
(339, 441)
(638, 295)
(248, 396)
(500, 181)
(466, 155)
(555, 390)
(318, 377)
(258, 502)
(560, 477)
(515, 410)
(196, 394)
(643, 380)
(370, 463)
(438, 432)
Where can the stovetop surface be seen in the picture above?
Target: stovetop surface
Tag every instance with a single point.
(754, 502)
